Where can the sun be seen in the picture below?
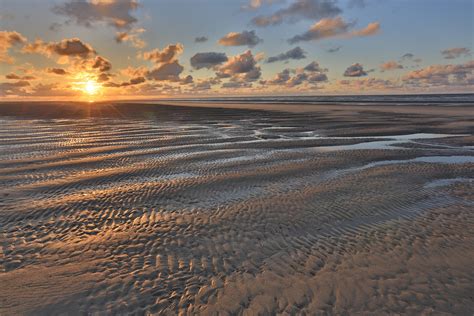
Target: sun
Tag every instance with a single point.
(91, 87)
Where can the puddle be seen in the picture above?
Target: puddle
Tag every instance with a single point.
(428, 159)
(446, 182)
(389, 142)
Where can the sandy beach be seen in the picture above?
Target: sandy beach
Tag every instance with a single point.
(236, 209)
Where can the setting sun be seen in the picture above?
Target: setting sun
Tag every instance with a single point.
(91, 87)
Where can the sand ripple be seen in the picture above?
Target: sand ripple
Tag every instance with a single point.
(234, 213)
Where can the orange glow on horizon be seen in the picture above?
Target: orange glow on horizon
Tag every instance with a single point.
(86, 84)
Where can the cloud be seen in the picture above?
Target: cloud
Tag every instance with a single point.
(295, 53)
(314, 67)
(15, 88)
(333, 49)
(7, 40)
(411, 57)
(241, 67)
(117, 13)
(452, 53)
(131, 82)
(246, 38)
(169, 54)
(312, 74)
(187, 80)
(260, 56)
(73, 47)
(55, 27)
(207, 60)
(168, 72)
(371, 84)
(255, 4)
(102, 64)
(52, 89)
(236, 85)
(103, 77)
(355, 70)
(390, 65)
(284, 78)
(131, 37)
(205, 84)
(200, 39)
(300, 9)
(371, 29)
(336, 27)
(134, 72)
(461, 74)
(281, 77)
(13, 76)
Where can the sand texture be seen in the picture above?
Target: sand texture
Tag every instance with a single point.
(111, 209)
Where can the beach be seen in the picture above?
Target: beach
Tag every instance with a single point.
(178, 207)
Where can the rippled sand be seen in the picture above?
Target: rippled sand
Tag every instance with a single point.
(144, 209)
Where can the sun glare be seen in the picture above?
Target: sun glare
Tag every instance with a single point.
(91, 87)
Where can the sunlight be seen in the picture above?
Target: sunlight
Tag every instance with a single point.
(91, 87)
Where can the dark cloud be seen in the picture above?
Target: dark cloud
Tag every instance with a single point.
(317, 78)
(207, 60)
(67, 47)
(246, 38)
(240, 67)
(452, 53)
(132, 82)
(410, 57)
(131, 37)
(236, 85)
(314, 67)
(121, 37)
(103, 77)
(294, 53)
(72, 46)
(355, 70)
(169, 54)
(327, 28)
(55, 27)
(117, 13)
(168, 72)
(13, 76)
(281, 77)
(187, 80)
(9, 88)
(311, 74)
(333, 49)
(300, 9)
(102, 64)
(200, 39)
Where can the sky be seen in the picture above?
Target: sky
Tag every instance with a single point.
(105, 49)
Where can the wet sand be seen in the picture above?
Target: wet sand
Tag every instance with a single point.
(163, 209)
